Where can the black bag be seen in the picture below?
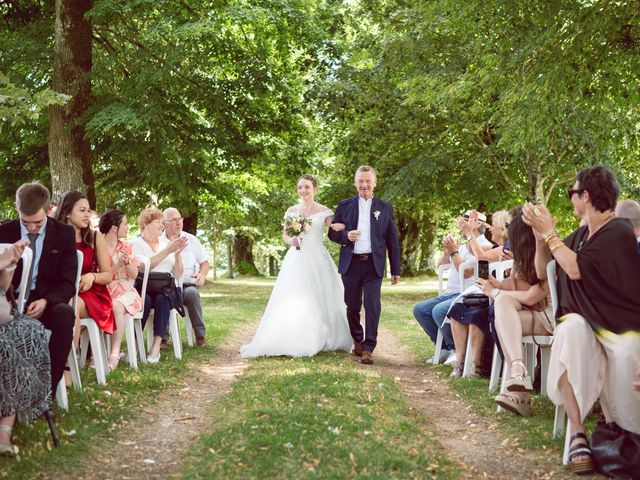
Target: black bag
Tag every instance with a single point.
(616, 452)
(163, 283)
(475, 300)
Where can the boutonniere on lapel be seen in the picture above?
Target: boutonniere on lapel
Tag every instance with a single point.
(376, 214)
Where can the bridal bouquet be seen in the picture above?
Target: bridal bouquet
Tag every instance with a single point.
(296, 224)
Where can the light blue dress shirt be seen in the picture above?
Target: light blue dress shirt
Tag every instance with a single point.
(39, 244)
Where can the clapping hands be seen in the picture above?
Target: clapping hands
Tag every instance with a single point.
(11, 256)
(177, 245)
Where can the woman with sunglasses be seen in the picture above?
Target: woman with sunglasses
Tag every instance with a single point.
(596, 345)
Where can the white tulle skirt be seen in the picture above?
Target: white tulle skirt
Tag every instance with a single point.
(306, 312)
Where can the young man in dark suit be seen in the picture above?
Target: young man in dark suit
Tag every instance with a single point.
(369, 233)
(53, 273)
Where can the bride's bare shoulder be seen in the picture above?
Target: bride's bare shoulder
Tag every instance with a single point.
(292, 209)
(322, 209)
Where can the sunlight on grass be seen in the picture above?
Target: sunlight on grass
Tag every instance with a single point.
(319, 417)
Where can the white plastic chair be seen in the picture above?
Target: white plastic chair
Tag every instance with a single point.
(27, 258)
(496, 362)
(442, 270)
(133, 324)
(61, 390)
(544, 342)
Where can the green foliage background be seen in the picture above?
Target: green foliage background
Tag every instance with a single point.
(217, 106)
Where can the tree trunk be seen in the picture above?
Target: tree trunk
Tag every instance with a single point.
(409, 235)
(229, 259)
(69, 151)
(243, 255)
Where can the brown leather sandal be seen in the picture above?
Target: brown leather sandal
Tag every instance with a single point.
(583, 466)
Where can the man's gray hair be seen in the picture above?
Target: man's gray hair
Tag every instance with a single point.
(169, 210)
(366, 168)
(629, 209)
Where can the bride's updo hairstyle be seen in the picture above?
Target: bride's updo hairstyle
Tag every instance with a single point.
(311, 178)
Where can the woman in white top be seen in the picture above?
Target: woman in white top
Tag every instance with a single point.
(164, 257)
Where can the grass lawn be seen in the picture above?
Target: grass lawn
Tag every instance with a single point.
(99, 409)
(534, 431)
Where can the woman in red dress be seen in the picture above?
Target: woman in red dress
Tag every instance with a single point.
(93, 299)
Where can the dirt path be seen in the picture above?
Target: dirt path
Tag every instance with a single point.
(474, 441)
(153, 444)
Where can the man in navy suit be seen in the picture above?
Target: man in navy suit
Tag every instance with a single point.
(52, 277)
(369, 232)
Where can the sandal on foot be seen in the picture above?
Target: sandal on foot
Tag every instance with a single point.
(474, 372)
(513, 404)
(457, 370)
(7, 450)
(520, 382)
(583, 466)
(113, 364)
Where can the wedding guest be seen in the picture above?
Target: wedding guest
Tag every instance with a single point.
(25, 367)
(93, 297)
(164, 256)
(498, 230)
(630, 209)
(522, 306)
(431, 313)
(195, 262)
(53, 272)
(126, 299)
(596, 345)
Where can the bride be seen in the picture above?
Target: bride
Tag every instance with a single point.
(306, 312)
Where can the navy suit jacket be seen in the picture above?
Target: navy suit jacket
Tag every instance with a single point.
(58, 265)
(384, 235)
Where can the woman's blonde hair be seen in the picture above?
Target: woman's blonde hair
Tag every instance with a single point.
(147, 216)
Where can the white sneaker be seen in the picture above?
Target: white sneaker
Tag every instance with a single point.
(451, 359)
(444, 354)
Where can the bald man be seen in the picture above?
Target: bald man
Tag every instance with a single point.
(196, 266)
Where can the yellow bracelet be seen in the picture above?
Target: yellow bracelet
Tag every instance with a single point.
(555, 247)
(549, 236)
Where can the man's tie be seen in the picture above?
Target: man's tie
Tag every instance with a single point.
(32, 245)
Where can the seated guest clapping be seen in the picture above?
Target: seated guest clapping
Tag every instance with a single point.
(431, 313)
(126, 299)
(165, 257)
(25, 379)
(522, 307)
(596, 345)
(93, 297)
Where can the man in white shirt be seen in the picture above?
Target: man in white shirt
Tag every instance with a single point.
(431, 313)
(195, 260)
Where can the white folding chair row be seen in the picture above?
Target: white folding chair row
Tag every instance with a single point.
(442, 270)
(61, 390)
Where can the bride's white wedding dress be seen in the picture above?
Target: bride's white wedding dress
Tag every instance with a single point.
(306, 312)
